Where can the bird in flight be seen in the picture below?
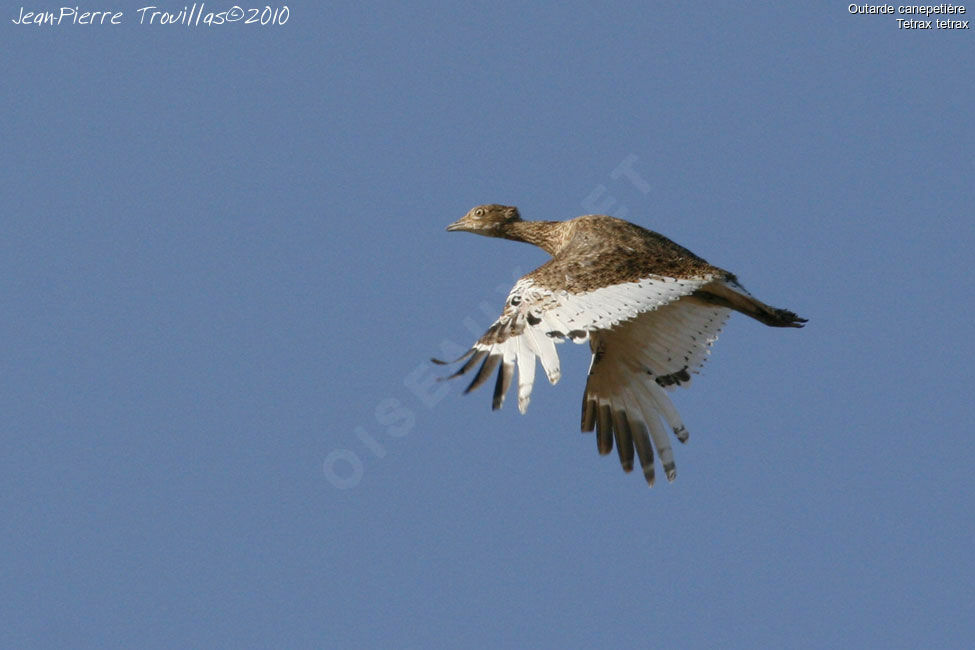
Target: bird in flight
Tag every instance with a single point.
(649, 308)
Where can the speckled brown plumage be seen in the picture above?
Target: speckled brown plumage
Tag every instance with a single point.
(596, 251)
(590, 251)
(649, 308)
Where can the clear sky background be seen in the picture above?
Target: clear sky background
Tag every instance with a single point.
(223, 269)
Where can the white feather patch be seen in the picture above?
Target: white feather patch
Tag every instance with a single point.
(543, 317)
(664, 343)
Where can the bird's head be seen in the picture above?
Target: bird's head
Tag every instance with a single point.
(487, 219)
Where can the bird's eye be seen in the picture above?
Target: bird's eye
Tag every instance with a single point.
(479, 212)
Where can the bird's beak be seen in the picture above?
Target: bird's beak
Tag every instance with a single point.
(457, 225)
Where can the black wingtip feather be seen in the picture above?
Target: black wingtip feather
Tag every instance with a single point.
(501, 386)
(478, 355)
(624, 440)
(644, 450)
(486, 369)
(604, 430)
(588, 414)
(441, 362)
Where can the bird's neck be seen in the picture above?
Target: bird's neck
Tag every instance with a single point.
(547, 235)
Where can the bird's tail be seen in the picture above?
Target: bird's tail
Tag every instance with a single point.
(728, 293)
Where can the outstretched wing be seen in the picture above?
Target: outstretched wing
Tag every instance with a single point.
(631, 366)
(536, 317)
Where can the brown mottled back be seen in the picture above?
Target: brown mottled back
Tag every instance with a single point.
(649, 308)
(597, 251)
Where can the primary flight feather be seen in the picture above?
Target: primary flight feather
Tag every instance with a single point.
(650, 310)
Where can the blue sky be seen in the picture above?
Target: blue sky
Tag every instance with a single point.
(225, 269)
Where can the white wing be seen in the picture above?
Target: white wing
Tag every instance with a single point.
(631, 366)
(535, 318)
